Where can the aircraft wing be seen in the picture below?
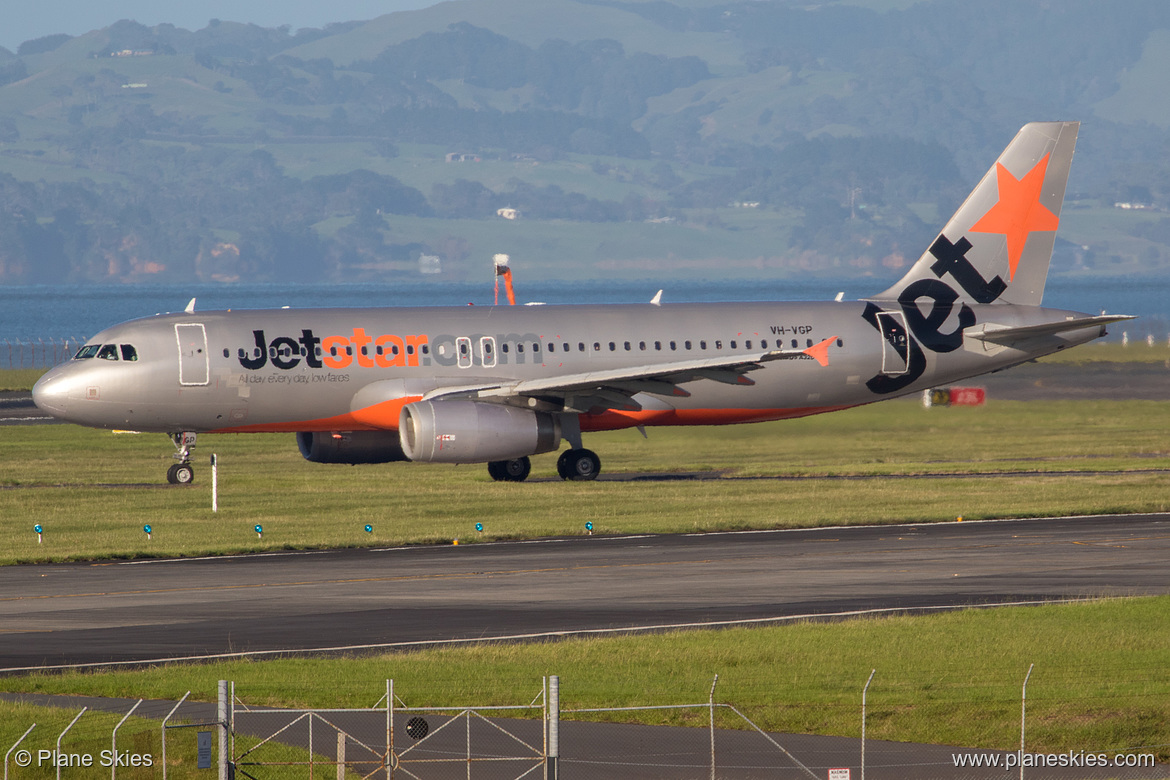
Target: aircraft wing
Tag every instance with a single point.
(615, 388)
(1009, 335)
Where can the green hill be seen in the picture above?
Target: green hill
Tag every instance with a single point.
(632, 138)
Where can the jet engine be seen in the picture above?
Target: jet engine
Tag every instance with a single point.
(474, 432)
(350, 447)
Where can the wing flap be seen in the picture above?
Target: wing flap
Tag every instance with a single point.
(614, 387)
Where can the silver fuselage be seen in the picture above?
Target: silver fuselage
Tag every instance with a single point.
(354, 369)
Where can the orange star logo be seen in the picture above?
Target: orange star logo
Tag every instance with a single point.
(1019, 211)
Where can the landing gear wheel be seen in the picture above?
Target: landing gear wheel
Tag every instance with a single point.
(579, 465)
(515, 470)
(181, 474)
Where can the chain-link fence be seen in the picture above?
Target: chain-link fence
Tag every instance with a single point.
(543, 733)
(38, 353)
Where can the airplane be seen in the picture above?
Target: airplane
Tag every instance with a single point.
(498, 384)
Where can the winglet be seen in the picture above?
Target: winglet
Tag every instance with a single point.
(657, 299)
(820, 352)
(190, 307)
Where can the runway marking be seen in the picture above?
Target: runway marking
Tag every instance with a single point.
(346, 581)
(558, 634)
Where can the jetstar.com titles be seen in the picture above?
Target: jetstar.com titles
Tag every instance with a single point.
(386, 350)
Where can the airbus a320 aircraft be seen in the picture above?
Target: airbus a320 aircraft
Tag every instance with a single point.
(497, 384)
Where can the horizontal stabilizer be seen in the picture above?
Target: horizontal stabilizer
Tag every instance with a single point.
(1007, 335)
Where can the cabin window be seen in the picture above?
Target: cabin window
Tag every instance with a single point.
(673, 345)
(763, 343)
(227, 353)
(580, 346)
(536, 346)
(463, 347)
(627, 346)
(702, 345)
(520, 346)
(552, 346)
(612, 346)
(349, 351)
(733, 345)
(378, 350)
(642, 345)
(794, 344)
(658, 345)
(108, 352)
(597, 346)
(747, 344)
(426, 349)
(718, 345)
(505, 347)
(808, 342)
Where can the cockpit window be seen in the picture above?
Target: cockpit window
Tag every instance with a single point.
(128, 352)
(88, 351)
(108, 352)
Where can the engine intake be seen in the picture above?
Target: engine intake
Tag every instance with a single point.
(474, 432)
(350, 447)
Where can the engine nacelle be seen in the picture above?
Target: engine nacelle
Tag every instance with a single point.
(474, 432)
(350, 447)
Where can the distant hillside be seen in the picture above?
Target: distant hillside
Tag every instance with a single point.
(627, 138)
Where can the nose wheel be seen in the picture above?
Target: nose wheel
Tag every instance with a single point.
(182, 473)
(579, 465)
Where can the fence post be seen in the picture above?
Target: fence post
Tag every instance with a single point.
(864, 691)
(57, 758)
(221, 715)
(114, 741)
(711, 707)
(389, 729)
(554, 727)
(1023, 713)
(14, 746)
(340, 755)
(164, 732)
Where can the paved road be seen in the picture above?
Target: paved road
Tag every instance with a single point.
(368, 599)
(17, 408)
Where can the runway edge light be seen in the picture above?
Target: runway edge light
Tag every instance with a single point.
(39, 531)
(369, 528)
(259, 531)
(148, 531)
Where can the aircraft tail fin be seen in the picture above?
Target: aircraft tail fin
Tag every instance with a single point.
(997, 246)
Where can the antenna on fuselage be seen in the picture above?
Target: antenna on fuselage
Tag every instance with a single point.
(502, 269)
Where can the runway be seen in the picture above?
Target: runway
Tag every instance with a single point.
(367, 600)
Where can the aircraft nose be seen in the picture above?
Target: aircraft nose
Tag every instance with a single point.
(51, 392)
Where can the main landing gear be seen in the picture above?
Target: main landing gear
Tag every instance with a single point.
(578, 465)
(182, 473)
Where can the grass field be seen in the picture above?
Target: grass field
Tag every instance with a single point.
(1101, 677)
(92, 491)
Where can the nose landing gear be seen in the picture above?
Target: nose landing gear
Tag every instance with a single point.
(182, 473)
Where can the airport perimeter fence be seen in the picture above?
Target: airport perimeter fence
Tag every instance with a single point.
(538, 732)
(37, 353)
